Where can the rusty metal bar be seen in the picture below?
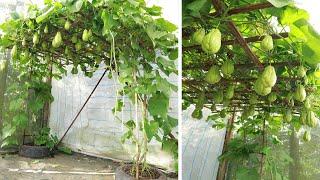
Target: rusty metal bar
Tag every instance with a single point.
(94, 89)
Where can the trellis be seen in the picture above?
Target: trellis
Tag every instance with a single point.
(243, 42)
(236, 105)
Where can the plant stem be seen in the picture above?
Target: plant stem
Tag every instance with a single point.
(263, 144)
(145, 142)
(137, 125)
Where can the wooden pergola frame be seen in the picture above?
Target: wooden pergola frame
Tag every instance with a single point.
(243, 42)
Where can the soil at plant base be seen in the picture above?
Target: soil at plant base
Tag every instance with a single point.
(149, 173)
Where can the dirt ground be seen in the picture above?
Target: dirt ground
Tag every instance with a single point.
(61, 167)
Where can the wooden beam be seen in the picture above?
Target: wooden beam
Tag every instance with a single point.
(256, 38)
(235, 41)
(247, 8)
(206, 66)
(241, 80)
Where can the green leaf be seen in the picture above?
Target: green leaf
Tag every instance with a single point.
(297, 125)
(154, 10)
(158, 105)
(151, 128)
(47, 1)
(14, 15)
(131, 124)
(36, 105)
(281, 3)
(292, 14)
(5, 42)
(174, 87)
(173, 121)
(21, 119)
(8, 130)
(199, 6)
(118, 106)
(127, 135)
(108, 21)
(75, 5)
(45, 15)
(174, 54)
(166, 127)
(169, 145)
(163, 86)
(16, 105)
(166, 25)
(153, 33)
(166, 63)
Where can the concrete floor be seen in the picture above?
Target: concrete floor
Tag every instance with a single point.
(61, 167)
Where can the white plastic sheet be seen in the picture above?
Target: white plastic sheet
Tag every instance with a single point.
(201, 146)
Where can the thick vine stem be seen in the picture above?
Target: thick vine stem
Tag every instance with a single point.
(137, 125)
(263, 145)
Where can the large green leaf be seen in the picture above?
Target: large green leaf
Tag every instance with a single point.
(21, 119)
(74, 5)
(36, 105)
(168, 26)
(292, 14)
(199, 6)
(153, 33)
(8, 130)
(108, 21)
(151, 128)
(15, 105)
(158, 105)
(166, 127)
(169, 145)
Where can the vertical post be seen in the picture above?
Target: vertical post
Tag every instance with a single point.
(223, 165)
(46, 108)
(3, 82)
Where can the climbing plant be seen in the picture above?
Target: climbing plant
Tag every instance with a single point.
(255, 62)
(131, 41)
